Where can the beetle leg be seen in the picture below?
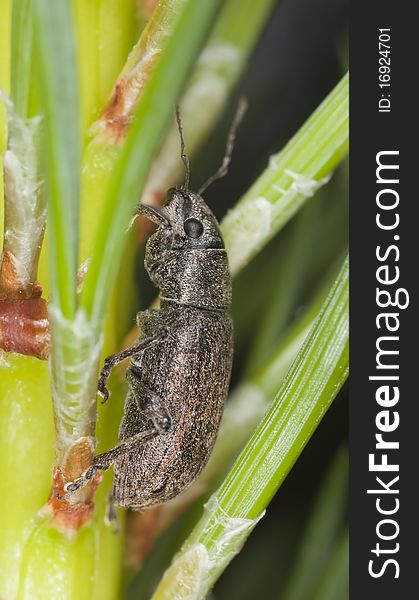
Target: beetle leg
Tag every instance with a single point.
(103, 461)
(112, 360)
(111, 517)
(149, 403)
(158, 414)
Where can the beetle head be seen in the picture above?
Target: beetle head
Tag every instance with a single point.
(186, 257)
(185, 223)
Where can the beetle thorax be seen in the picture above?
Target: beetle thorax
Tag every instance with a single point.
(197, 278)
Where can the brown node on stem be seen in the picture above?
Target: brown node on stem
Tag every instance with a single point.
(118, 113)
(116, 122)
(70, 513)
(146, 8)
(11, 286)
(24, 326)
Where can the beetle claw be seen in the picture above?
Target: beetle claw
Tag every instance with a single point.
(104, 394)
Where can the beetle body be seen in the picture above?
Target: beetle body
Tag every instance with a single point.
(192, 376)
(189, 370)
(180, 366)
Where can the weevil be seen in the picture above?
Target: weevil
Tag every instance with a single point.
(180, 366)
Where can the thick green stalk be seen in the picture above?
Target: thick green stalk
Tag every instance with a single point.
(105, 33)
(43, 562)
(24, 200)
(5, 35)
(234, 510)
(25, 467)
(293, 175)
(107, 134)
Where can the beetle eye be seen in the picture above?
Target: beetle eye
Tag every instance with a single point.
(193, 228)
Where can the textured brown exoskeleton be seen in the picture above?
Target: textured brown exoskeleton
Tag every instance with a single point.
(181, 364)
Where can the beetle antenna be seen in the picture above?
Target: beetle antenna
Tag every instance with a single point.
(223, 170)
(183, 154)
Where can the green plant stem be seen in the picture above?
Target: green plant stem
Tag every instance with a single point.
(234, 510)
(293, 175)
(75, 351)
(21, 55)
(24, 206)
(152, 115)
(26, 416)
(55, 46)
(107, 134)
(44, 562)
(24, 201)
(310, 386)
(105, 32)
(5, 35)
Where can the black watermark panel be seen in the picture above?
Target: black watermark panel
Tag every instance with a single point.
(384, 408)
